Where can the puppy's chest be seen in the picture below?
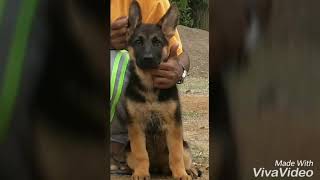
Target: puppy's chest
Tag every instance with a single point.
(151, 111)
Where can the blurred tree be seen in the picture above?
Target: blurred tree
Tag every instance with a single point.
(200, 13)
(193, 13)
(185, 12)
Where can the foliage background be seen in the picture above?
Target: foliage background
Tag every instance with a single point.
(193, 13)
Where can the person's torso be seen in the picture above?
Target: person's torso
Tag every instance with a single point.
(152, 10)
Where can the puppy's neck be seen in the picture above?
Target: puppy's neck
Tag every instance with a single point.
(145, 77)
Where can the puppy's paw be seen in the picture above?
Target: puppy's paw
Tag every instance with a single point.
(140, 177)
(194, 172)
(184, 177)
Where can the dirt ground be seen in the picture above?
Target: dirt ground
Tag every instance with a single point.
(194, 100)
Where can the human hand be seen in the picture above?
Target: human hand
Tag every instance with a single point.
(119, 32)
(169, 72)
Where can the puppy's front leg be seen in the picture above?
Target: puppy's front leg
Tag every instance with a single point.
(175, 146)
(138, 158)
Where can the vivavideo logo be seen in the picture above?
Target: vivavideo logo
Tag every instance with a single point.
(292, 169)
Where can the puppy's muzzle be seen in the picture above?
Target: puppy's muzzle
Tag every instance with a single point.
(148, 62)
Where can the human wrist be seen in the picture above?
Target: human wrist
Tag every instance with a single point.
(182, 74)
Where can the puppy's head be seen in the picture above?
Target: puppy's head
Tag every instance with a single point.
(148, 43)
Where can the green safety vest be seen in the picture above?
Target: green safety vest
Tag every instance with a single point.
(115, 95)
(15, 59)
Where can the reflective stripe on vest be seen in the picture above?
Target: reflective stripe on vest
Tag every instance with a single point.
(114, 98)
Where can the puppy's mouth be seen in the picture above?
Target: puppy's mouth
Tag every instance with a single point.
(147, 65)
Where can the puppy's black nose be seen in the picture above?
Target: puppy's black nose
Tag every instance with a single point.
(148, 57)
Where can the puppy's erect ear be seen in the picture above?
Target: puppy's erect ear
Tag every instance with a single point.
(169, 21)
(135, 18)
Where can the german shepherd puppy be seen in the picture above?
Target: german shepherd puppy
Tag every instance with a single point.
(154, 116)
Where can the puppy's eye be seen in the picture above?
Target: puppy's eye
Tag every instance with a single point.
(156, 42)
(138, 42)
